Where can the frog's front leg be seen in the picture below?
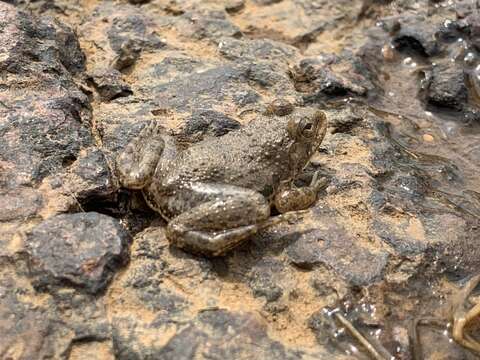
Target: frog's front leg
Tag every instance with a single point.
(295, 199)
(136, 164)
(225, 219)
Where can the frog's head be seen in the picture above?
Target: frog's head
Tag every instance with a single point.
(306, 127)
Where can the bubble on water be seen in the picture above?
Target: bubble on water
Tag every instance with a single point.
(409, 62)
(476, 72)
(469, 58)
(388, 52)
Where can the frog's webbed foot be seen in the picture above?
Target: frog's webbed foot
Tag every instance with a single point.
(218, 225)
(136, 164)
(295, 199)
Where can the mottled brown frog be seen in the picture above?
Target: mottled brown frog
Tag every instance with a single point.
(219, 192)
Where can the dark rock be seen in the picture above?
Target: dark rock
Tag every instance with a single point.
(265, 278)
(344, 121)
(257, 50)
(130, 29)
(415, 35)
(212, 334)
(267, 76)
(447, 87)
(172, 66)
(110, 85)
(202, 90)
(234, 6)
(80, 250)
(90, 176)
(20, 204)
(25, 329)
(334, 247)
(324, 77)
(43, 122)
(128, 36)
(70, 53)
(209, 122)
(127, 55)
(210, 24)
(267, 2)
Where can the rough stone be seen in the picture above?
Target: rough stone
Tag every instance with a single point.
(109, 84)
(447, 87)
(212, 333)
(209, 122)
(333, 247)
(80, 250)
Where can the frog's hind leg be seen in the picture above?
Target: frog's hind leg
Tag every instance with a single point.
(218, 225)
(136, 164)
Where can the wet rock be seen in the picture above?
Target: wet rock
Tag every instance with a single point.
(212, 333)
(344, 121)
(336, 249)
(447, 87)
(110, 85)
(329, 76)
(80, 250)
(413, 34)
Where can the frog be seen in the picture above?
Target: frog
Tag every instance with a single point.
(219, 192)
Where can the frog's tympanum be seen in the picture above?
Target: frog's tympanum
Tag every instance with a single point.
(218, 192)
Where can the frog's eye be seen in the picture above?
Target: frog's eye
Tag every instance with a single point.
(307, 128)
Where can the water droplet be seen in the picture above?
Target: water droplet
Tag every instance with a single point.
(409, 62)
(469, 58)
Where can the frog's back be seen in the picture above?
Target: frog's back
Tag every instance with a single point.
(253, 157)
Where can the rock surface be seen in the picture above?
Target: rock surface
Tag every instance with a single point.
(82, 250)
(85, 268)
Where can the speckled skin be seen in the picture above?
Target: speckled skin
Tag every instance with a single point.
(218, 192)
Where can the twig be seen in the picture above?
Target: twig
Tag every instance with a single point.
(360, 338)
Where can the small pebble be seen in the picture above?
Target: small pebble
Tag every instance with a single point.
(428, 138)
